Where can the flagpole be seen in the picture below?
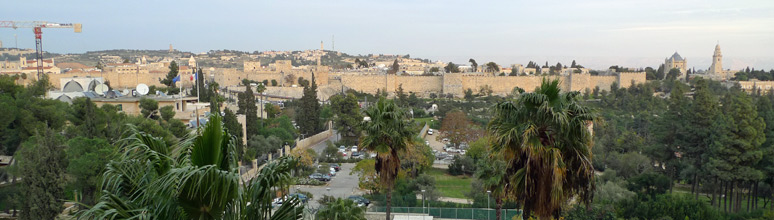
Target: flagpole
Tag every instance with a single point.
(197, 85)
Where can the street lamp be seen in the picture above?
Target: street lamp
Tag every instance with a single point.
(488, 198)
(423, 201)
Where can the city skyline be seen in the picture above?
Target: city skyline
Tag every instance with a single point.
(643, 33)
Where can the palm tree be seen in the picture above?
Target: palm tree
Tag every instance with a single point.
(341, 209)
(492, 171)
(195, 179)
(545, 140)
(387, 133)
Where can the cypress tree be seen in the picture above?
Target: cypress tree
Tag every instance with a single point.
(308, 117)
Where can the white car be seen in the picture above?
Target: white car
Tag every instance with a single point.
(354, 149)
(430, 132)
(427, 143)
(332, 171)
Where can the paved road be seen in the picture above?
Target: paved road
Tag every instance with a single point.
(342, 185)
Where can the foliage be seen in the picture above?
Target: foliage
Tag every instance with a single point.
(348, 117)
(544, 135)
(451, 68)
(246, 105)
(259, 145)
(458, 128)
(341, 209)
(674, 207)
(386, 133)
(367, 177)
(232, 125)
(149, 108)
(308, 114)
(462, 165)
(197, 179)
(167, 112)
(173, 72)
(42, 162)
(87, 158)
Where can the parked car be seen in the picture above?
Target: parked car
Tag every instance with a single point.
(446, 140)
(357, 154)
(332, 171)
(360, 201)
(343, 153)
(342, 148)
(301, 197)
(320, 177)
(429, 131)
(336, 166)
(354, 149)
(427, 143)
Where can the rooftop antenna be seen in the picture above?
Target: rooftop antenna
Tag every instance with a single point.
(333, 42)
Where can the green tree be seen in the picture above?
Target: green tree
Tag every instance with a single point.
(469, 95)
(149, 108)
(273, 82)
(246, 105)
(735, 156)
(401, 97)
(492, 67)
(87, 159)
(387, 132)
(451, 68)
(87, 119)
(347, 117)
(272, 111)
(673, 74)
(544, 136)
(704, 113)
(394, 68)
(195, 180)
(492, 171)
(167, 112)
(176, 127)
(308, 116)
(42, 162)
(173, 72)
(341, 209)
(473, 64)
(232, 125)
(260, 145)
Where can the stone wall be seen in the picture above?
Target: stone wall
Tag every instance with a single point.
(317, 138)
(457, 83)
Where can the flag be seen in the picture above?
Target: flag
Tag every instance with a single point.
(177, 78)
(193, 77)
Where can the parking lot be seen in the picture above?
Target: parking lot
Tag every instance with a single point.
(342, 185)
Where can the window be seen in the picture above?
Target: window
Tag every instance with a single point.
(120, 107)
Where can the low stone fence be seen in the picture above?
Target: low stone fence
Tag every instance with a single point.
(317, 138)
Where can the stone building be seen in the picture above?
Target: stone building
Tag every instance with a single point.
(676, 62)
(716, 69)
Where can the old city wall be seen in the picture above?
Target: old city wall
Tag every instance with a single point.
(232, 76)
(422, 85)
(365, 83)
(502, 85)
(456, 83)
(626, 79)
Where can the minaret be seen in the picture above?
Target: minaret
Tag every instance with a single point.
(717, 62)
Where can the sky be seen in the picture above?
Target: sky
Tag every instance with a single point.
(595, 33)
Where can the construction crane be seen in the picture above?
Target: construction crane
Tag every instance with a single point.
(37, 28)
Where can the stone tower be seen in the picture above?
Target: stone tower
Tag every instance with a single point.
(717, 63)
(192, 62)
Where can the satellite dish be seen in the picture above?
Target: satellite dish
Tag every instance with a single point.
(142, 89)
(101, 89)
(126, 92)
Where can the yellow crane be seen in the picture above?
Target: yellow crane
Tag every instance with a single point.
(37, 27)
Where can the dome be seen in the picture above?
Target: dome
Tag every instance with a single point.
(676, 57)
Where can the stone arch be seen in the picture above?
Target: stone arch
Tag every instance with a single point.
(65, 98)
(72, 86)
(92, 85)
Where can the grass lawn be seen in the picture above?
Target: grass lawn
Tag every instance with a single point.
(450, 186)
(422, 121)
